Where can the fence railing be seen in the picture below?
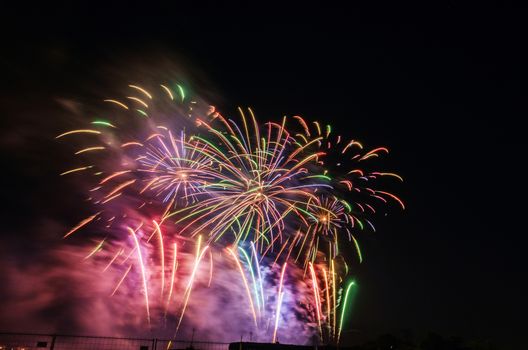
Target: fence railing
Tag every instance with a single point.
(29, 341)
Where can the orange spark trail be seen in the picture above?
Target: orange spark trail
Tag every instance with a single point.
(113, 259)
(81, 224)
(188, 290)
(121, 280)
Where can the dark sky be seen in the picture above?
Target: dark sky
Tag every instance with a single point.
(441, 85)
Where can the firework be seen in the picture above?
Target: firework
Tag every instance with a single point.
(259, 181)
(264, 195)
(355, 194)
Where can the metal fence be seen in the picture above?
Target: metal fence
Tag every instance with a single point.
(28, 341)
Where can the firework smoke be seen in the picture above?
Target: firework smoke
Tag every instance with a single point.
(227, 226)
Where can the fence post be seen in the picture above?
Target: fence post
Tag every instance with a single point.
(52, 345)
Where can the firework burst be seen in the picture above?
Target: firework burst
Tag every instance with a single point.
(259, 182)
(190, 184)
(355, 194)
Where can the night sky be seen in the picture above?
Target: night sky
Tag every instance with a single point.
(440, 85)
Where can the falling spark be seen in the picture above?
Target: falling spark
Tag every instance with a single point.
(343, 310)
(81, 224)
(280, 294)
(143, 273)
(248, 291)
